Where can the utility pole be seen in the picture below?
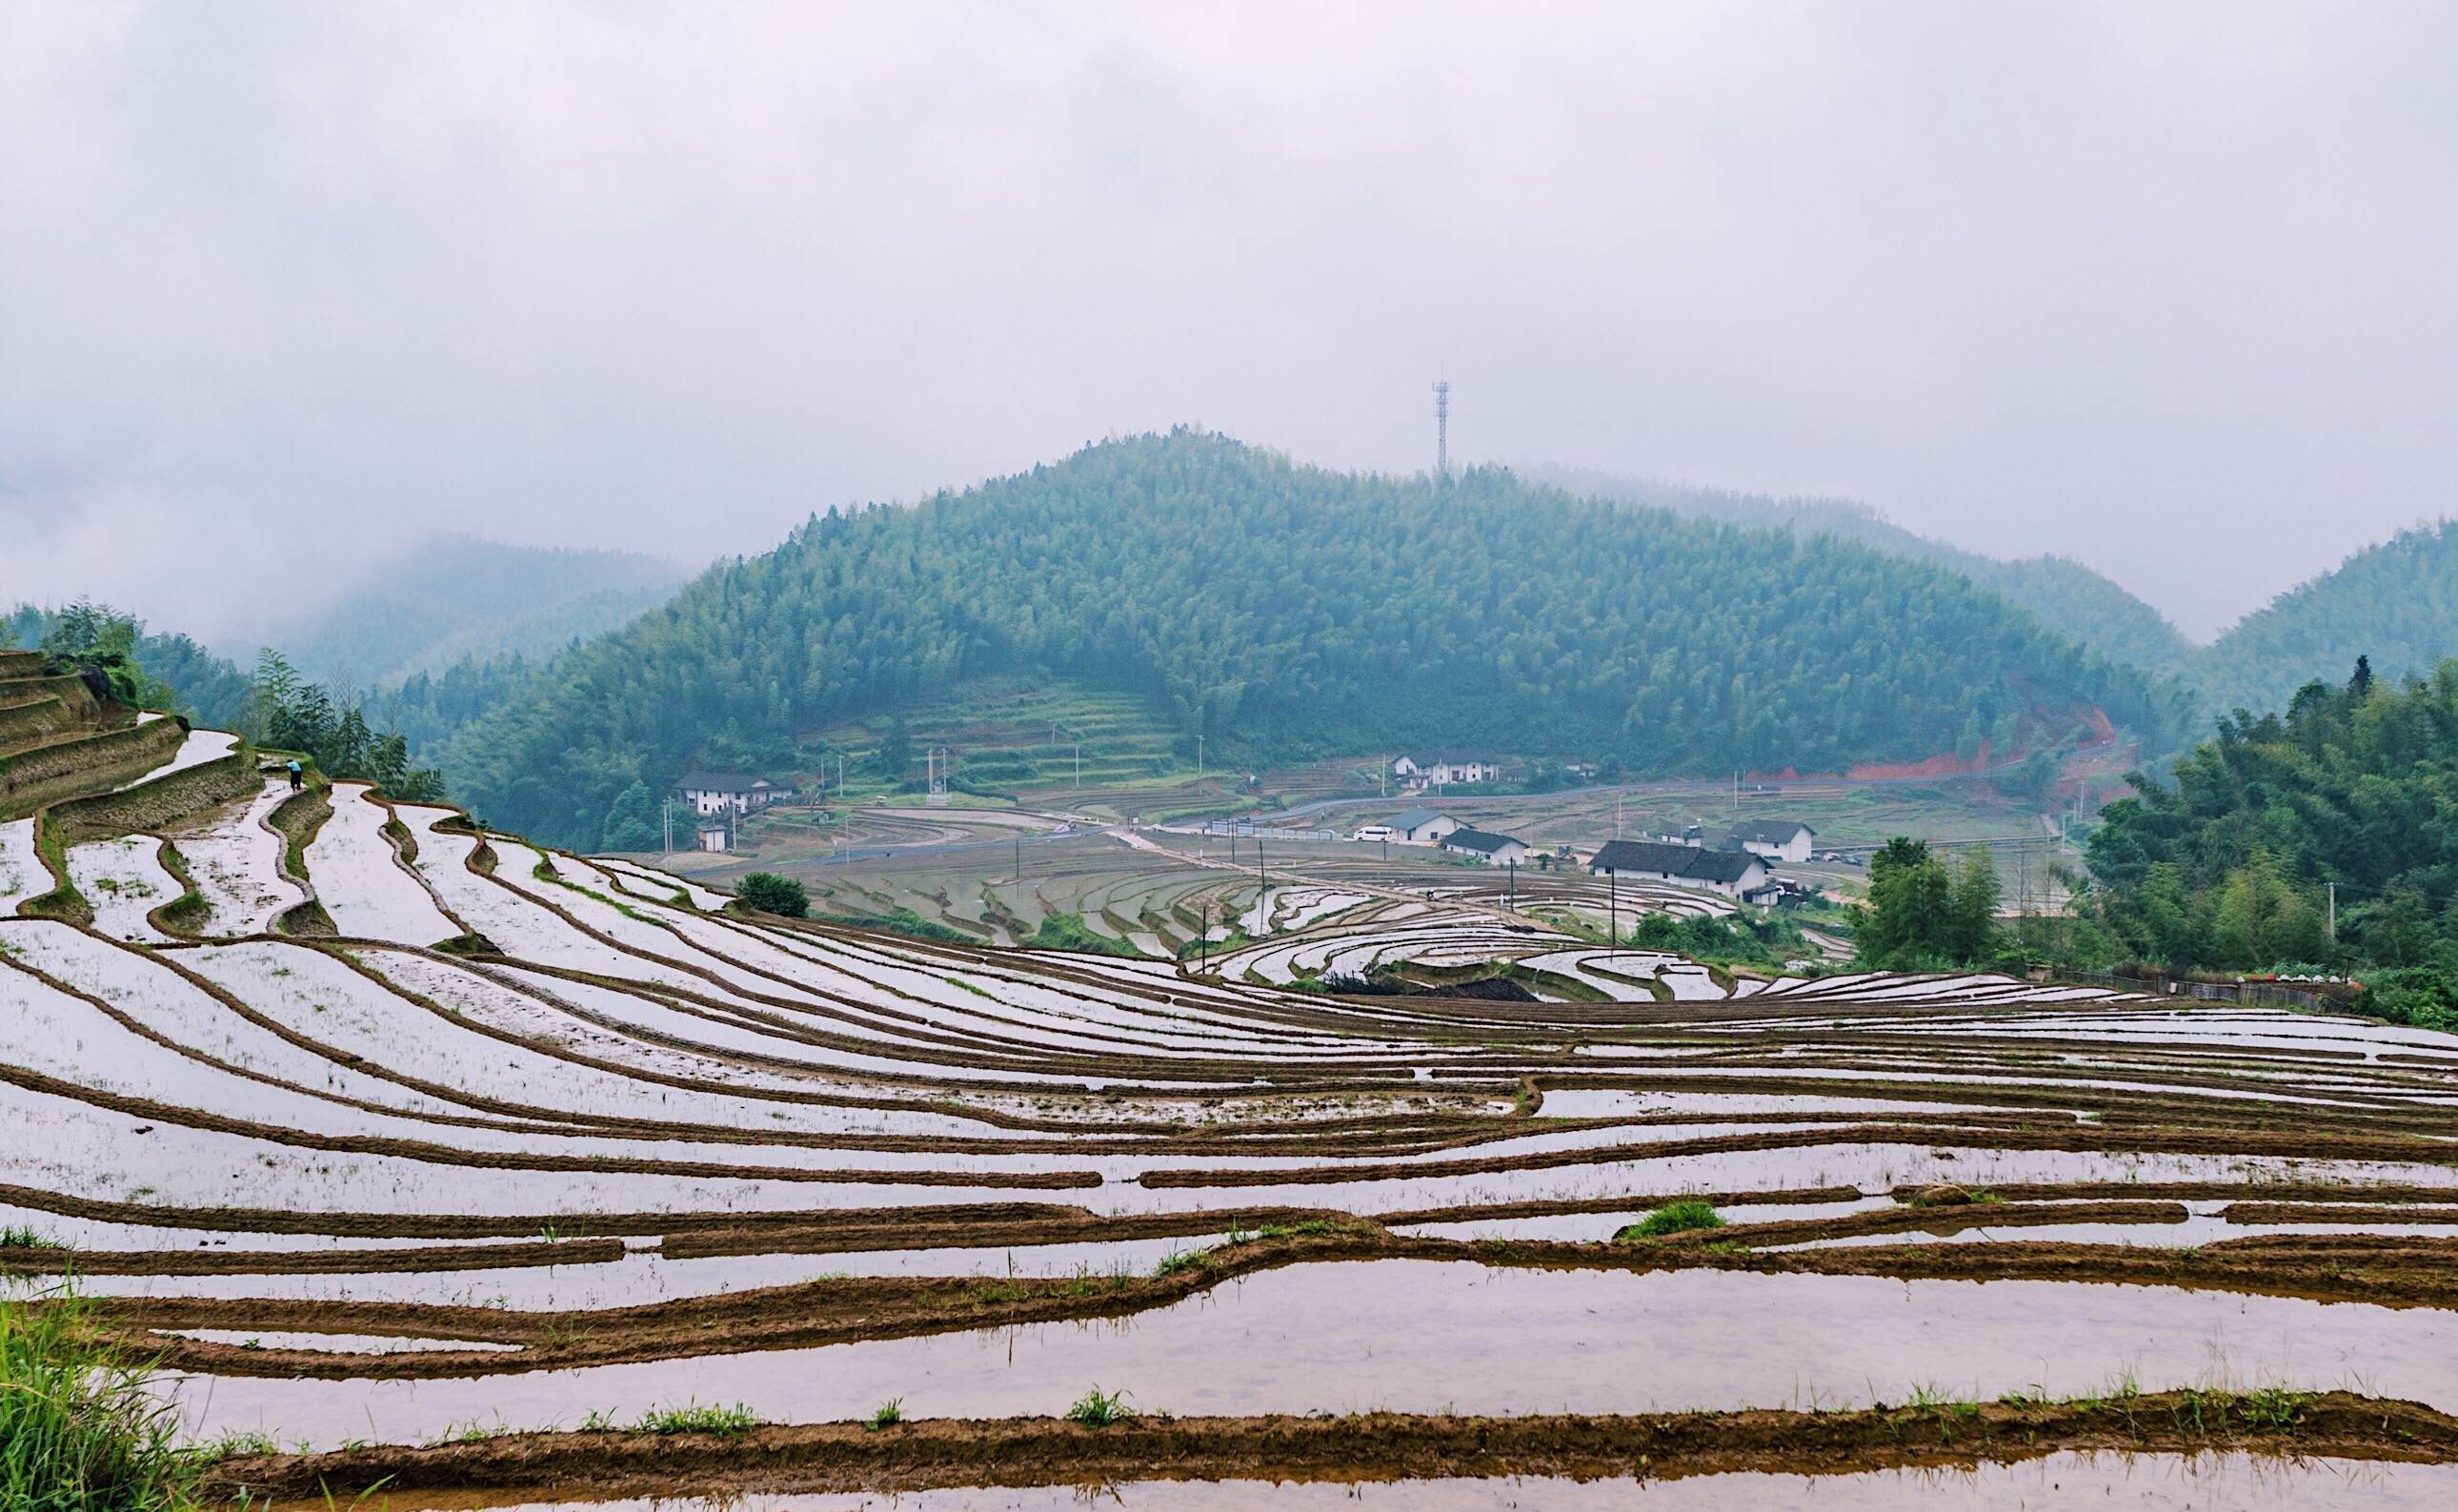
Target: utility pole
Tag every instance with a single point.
(1019, 861)
(666, 812)
(2334, 912)
(1613, 906)
(1443, 427)
(1616, 816)
(1382, 777)
(1204, 943)
(1263, 886)
(1510, 903)
(1079, 764)
(1199, 754)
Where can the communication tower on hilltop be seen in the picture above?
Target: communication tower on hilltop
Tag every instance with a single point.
(1443, 427)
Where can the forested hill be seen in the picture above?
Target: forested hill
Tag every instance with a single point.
(2395, 603)
(1286, 612)
(452, 598)
(2061, 592)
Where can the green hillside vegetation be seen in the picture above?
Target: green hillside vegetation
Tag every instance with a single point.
(2225, 864)
(191, 679)
(451, 599)
(2061, 592)
(2396, 603)
(1282, 612)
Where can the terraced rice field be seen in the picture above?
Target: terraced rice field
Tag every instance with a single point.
(495, 1139)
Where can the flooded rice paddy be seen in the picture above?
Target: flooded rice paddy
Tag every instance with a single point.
(1417, 1336)
(617, 1150)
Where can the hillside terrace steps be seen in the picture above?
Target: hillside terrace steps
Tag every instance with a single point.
(85, 770)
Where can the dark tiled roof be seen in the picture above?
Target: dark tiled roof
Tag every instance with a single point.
(1484, 840)
(720, 782)
(1674, 860)
(1413, 818)
(1769, 832)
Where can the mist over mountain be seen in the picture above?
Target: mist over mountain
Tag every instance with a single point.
(449, 598)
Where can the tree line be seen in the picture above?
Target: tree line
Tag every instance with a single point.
(2230, 861)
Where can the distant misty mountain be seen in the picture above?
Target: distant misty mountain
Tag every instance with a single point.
(2060, 592)
(452, 599)
(2396, 602)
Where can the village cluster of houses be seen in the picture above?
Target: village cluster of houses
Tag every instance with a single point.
(1740, 867)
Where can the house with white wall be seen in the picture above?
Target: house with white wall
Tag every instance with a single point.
(1434, 769)
(1776, 840)
(726, 792)
(1734, 874)
(1421, 826)
(1492, 849)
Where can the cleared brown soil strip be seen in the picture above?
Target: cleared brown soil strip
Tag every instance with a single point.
(2351, 1212)
(1383, 1446)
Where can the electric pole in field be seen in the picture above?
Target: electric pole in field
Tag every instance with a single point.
(1613, 906)
(2334, 912)
(1443, 427)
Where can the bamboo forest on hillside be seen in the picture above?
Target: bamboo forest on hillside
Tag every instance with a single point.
(1283, 612)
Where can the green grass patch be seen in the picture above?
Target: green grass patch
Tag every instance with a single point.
(79, 1430)
(903, 921)
(1070, 932)
(1687, 1216)
(1101, 1409)
(694, 1418)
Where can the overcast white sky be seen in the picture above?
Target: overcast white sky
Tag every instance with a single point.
(2168, 287)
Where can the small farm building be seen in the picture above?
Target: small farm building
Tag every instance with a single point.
(1494, 850)
(1735, 874)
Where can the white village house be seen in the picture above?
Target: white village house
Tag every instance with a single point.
(1735, 874)
(1493, 850)
(716, 835)
(726, 792)
(1434, 770)
(1776, 840)
(1420, 826)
